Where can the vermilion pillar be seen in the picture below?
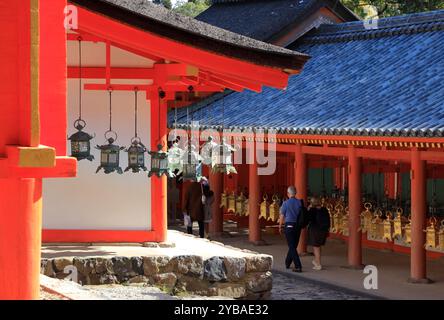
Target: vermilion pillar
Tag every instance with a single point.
(158, 185)
(216, 184)
(354, 204)
(253, 203)
(419, 207)
(20, 238)
(20, 199)
(301, 188)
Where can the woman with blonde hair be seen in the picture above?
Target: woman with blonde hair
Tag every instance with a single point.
(318, 229)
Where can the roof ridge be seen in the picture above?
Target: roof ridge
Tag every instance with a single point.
(391, 26)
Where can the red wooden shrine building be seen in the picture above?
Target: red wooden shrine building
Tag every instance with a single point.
(362, 123)
(126, 47)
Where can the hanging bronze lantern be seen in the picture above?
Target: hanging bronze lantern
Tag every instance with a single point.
(159, 163)
(222, 159)
(431, 234)
(159, 158)
(207, 151)
(274, 209)
(136, 152)
(175, 155)
(388, 226)
(231, 203)
(264, 208)
(397, 224)
(81, 141)
(191, 164)
(240, 204)
(408, 231)
(136, 156)
(366, 218)
(110, 153)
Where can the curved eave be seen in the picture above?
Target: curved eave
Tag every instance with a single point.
(242, 48)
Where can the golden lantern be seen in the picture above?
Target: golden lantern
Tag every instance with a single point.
(231, 203)
(223, 200)
(344, 223)
(323, 201)
(366, 218)
(397, 224)
(240, 205)
(274, 209)
(441, 236)
(388, 226)
(337, 217)
(408, 231)
(431, 234)
(264, 208)
(247, 207)
(377, 227)
(330, 213)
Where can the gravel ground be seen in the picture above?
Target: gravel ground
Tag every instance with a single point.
(284, 288)
(122, 292)
(291, 288)
(139, 292)
(45, 295)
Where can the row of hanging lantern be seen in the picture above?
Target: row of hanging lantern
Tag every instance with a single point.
(235, 204)
(186, 162)
(384, 226)
(239, 205)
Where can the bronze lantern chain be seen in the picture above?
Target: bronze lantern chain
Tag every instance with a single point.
(81, 141)
(80, 78)
(135, 111)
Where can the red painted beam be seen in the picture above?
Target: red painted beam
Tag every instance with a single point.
(83, 37)
(256, 87)
(65, 167)
(140, 40)
(91, 38)
(152, 88)
(218, 82)
(116, 73)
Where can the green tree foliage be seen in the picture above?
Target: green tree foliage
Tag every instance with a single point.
(166, 3)
(387, 8)
(192, 7)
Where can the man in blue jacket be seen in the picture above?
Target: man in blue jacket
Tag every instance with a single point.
(290, 216)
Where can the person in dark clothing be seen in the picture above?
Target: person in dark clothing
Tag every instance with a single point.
(194, 208)
(290, 212)
(318, 229)
(207, 201)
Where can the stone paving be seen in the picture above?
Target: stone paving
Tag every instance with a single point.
(291, 288)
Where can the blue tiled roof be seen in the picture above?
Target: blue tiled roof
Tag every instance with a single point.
(263, 19)
(387, 82)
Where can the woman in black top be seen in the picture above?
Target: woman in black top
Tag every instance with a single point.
(318, 229)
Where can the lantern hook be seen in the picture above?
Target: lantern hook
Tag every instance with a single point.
(111, 136)
(80, 124)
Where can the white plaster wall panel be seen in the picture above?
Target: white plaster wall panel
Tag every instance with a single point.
(98, 201)
(94, 55)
